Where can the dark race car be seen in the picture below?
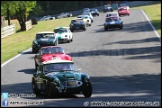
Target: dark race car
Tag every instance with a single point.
(107, 8)
(94, 12)
(59, 77)
(50, 53)
(77, 24)
(44, 39)
(113, 22)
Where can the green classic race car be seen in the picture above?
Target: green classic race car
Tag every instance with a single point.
(56, 77)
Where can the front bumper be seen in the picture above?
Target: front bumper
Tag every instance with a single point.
(113, 26)
(73, 88)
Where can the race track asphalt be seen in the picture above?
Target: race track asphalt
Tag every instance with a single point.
(124, 65)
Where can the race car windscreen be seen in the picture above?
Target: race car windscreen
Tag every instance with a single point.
(111, 19)
(57, 67)
(62, 30)
(39, 36)
(52, 50)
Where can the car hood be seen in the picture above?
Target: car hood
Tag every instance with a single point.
(61, 56)
(64, 76)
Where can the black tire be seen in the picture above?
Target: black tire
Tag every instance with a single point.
(105, 28)
(35, 87)
(72, 39)
(33, 50)
(121, 27)
(72, 30)
(89, 24)
(98, 14)
(51, 90)
(87, 89)
(84, 29)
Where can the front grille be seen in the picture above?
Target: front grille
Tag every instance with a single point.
(71, 83)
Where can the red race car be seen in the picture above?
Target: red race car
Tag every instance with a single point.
(124, 10)
(50, 53)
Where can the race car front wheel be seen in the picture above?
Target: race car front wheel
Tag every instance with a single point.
(51, 90)
(35, 88)
(87, 89)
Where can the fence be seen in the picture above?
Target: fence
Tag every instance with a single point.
(8, 30)
(28, 25)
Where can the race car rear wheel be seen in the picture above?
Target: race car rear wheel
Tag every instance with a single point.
(87, 89)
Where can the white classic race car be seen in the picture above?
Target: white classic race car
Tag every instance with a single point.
(63, 34)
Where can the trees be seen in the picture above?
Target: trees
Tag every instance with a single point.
(20, 9)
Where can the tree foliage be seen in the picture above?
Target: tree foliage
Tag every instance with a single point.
(20, 9)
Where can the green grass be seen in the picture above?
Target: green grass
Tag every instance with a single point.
(154, 14)
(20, 41)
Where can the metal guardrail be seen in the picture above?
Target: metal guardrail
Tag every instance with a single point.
(8, 30)
(28, 25)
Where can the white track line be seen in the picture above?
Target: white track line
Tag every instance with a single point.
(15, 57)
(151, 25)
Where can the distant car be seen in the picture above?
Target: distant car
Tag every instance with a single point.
(77, 24)
(113, 22)
(64, 15)
(86, 10)
(63, 34)
(48, 17)
(50, 53)
(69, 14)
(89, 14)
(123, 5)
(110, 14)
(94, 12)
(42, 39)
(123, 11)
(57, 77)
(86, 19)
(107, 8)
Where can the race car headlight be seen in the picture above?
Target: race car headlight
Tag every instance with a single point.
(35, 42)
(65, 35)
(56, 81)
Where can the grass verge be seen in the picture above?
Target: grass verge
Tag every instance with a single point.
(154, 14)
(20, 41)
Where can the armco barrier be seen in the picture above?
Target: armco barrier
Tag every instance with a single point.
(28, 25)
(8, 30)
